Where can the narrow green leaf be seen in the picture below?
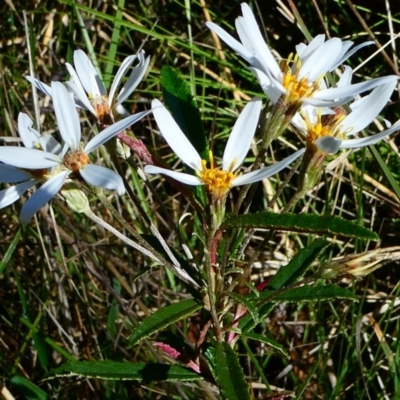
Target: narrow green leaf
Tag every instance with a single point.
(229, 374)
(10, 251)
(163, 318)
(183, 107)
(389, 176)
(31, 323)
(247, 323)
(60, 350)
(307, 293)
(114, 310)
(209, 354)
(112, 370)
(264, 339)
(27, 389)
(305, 223)
(86, 38)
(115, 39)
(297, 267)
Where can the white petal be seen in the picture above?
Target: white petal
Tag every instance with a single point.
(273, 89)
(355, 143)
(260, 174)
(66, 115)
(241, 28)
(75, 85)
(44, 194)
(231, 42)
(176, 139)
(13, 193)
(327, 103)
(10, 174)
(113, 130)
(345, 56)
(119, 76)
(179, 176)
(39, 85)
(321, 60)
(134, 79)
(259, 47)
(299, 123)
(370, 107)
(51, 145)
(345, 79)
(88, 75)
(329, 144)
(29, 136)
(305, 51)
(103, 177)
(352, 90)
(242, 134)
(121, 110)
(22, 157)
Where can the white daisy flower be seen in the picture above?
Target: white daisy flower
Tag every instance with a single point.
(43, 159)
(329, 130)
(25, 179)
(89, 91)
(300, 78)
(218, 180)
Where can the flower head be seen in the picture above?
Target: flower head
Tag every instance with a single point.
(218, 180)
(329, 129)
(89, 91)
(44, 160)
(299, 79)
(25, 179)
(358, 265)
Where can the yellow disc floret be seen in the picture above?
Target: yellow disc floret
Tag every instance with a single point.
(217, 181)
(102, 109)
(75, 160)
(328, 125)
(297, 88)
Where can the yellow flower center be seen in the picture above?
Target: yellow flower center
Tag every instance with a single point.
(75, 160)
(217, 181)
(326, 125)
(102, 109)
(297, 88)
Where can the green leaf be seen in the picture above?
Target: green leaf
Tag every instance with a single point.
(209, 353)
(115, 40)
(32, 323)
(264, 339)
(292, 272)
(183, 107)
(248, 304)
(388, 174)
(305, 223)
(27, 389)
(163, 318)
(112, 370)
(229, 374)
(307, 293)
(114, 310)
